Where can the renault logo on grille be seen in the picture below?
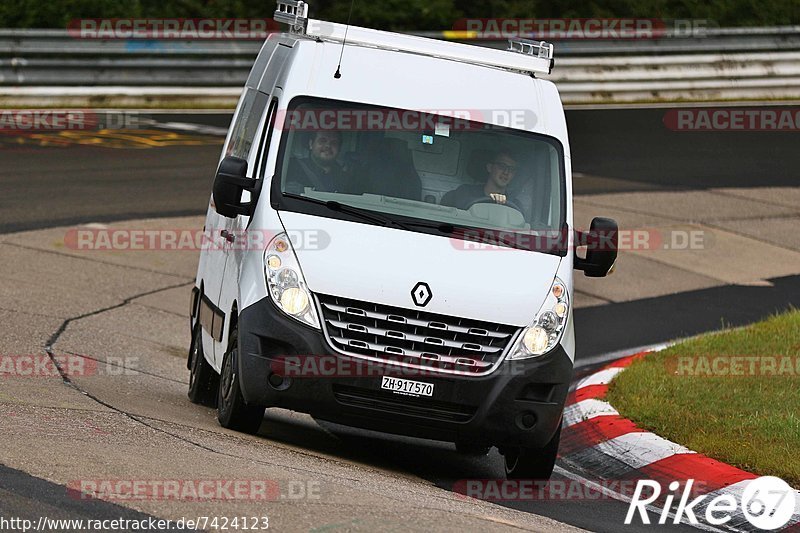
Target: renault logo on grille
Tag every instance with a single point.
(421, 294)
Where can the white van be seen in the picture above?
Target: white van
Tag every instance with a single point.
(391, 243)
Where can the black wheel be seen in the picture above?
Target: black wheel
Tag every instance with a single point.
(532, 463)
(203, 379)
(232, 411)
(470, 448)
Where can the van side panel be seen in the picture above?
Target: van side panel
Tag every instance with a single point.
(239, 258)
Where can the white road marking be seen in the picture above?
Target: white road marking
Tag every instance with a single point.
(586, 410)
(639, 449)
(603, 377)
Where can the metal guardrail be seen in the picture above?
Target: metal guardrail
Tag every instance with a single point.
(722, 63)
(763, 76)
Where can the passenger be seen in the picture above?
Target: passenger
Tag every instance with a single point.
(320, 169)
(501, 170)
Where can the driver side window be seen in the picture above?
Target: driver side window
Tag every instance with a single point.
(245, 126)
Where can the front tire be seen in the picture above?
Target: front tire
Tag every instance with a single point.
(532, 463)
(232, 411)
(203, 379)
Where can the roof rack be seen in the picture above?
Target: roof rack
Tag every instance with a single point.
(294, 13)
(522, 55)
(538, 49)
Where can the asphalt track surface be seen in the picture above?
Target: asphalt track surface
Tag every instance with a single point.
(48, 186)
(27, 498)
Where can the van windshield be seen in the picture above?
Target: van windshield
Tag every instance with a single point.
(412, 168)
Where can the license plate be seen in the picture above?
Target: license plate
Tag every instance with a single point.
(407, 387)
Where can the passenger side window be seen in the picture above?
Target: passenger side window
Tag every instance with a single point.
(244, 128)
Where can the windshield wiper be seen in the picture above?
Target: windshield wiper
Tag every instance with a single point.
(364, 214)
(443, 227)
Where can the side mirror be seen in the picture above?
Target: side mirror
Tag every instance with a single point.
(231, 180)
(602, 241)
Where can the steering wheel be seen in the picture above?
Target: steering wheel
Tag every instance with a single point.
(488, 200)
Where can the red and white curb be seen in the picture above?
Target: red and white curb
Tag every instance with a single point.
(607, 446)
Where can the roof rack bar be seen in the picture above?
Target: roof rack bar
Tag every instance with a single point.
(294, 13)
(522, 56)
(540, 49)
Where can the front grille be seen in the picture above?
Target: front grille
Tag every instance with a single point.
(414, 338)
(420, 407)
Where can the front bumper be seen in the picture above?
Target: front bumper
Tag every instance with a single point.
(519, 404)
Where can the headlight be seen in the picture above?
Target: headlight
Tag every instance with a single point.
(548, 326)
(287, 288)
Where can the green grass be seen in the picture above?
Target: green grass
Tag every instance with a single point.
(751, 421)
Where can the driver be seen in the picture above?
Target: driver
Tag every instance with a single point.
(501, 170)
(320, 170)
